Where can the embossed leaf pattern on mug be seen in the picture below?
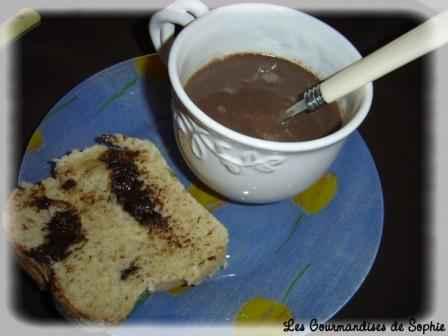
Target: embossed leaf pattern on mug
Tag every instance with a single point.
(226, 154)
(183, 124)
(186, 126)
(264, 164)
(233, 168)
(196, 146)
(251, 159)
(248, 159)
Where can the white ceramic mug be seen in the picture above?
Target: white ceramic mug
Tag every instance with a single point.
(239, 167)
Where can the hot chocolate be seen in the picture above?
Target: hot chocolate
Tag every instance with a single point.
(248, 93)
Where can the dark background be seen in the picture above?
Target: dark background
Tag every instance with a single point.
(69, 47)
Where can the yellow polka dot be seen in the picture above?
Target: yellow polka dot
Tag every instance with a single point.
(151, 66)
(260, 310)
(206, 198)
(319, 195)
(179, 290)
(36, 141)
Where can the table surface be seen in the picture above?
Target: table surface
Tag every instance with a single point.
(68, 48)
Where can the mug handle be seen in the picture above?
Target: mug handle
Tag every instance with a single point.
(162, 25)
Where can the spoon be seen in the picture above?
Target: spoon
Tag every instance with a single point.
(13, 28)
(428, 36)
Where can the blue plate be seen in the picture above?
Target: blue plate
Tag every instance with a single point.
(304, 257)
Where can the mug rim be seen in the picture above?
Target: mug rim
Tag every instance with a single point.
(277, 146)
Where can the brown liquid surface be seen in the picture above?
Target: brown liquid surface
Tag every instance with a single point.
(249, 92)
